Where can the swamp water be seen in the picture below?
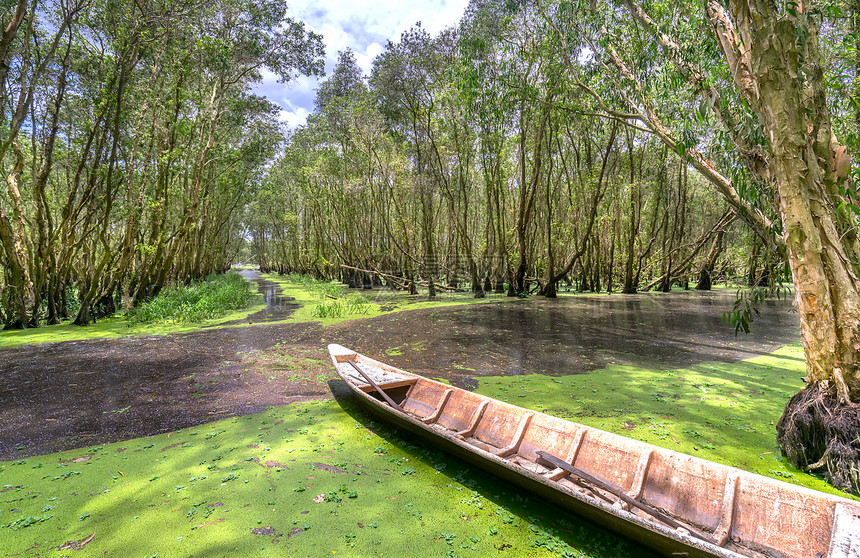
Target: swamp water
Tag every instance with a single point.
(683, 388)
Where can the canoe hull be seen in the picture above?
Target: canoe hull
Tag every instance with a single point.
(632, 531)
(673, 503)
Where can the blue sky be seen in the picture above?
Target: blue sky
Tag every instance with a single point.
(362, 25)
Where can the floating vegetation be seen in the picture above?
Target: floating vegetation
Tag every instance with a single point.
(367, 492)
(354, 304)
(320, 288)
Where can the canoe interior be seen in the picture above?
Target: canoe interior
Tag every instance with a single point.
(723, 510)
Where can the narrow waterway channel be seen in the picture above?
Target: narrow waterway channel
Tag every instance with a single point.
(57, 396)
(278, 306)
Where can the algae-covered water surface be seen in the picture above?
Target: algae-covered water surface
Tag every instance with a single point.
(314, 476)
(312, 479)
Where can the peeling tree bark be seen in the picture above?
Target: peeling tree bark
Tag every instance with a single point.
(775, 64)
(801, 160)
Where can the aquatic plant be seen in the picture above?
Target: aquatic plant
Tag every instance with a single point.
(253, 486)
(214, 296)
(353, 304)
(320, 288)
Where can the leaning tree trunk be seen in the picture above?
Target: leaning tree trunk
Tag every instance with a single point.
(19, 295)
(820, 428)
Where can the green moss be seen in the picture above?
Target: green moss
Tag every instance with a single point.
(322, 475)
(723, 412)
(110, 328)
(300, 477)
(397, 351)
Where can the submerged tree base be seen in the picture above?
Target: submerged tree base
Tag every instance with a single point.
(819, 434)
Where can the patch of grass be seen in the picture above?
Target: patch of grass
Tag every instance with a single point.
(253, 486)
(723, 412)
(212, 297)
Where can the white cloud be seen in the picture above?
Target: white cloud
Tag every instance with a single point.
(365, 59)
(295, 117)
(362, 25)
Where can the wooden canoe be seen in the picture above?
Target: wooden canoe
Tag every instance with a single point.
(676, 504)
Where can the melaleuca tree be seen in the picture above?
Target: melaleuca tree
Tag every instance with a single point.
(402, 80)
(755, 72)
(141, 136)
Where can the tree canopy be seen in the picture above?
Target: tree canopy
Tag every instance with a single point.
(131, 141)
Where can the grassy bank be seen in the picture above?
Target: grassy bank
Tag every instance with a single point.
(208, 299)
(176, 310)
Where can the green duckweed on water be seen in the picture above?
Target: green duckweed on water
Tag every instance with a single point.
(312, 479)
(723, 412)
(321, 479)
(110, 328)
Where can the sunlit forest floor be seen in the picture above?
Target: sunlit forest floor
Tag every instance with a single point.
(313, 476)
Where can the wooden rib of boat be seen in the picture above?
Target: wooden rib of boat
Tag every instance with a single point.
(676, 504)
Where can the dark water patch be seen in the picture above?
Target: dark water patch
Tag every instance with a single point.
(571, 335)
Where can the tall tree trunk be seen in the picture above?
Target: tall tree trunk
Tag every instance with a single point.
(778, 71)
(19, 289)
(633, 229)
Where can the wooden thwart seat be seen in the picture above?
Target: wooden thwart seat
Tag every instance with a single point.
(426, 400)
(389, 385)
